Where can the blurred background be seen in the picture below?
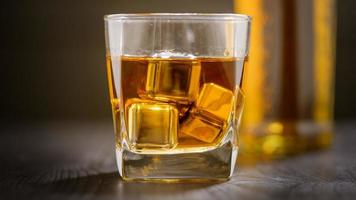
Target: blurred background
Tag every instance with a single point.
(53, 56)
(53, 69)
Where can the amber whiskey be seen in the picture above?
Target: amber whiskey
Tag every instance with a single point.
(187, 107)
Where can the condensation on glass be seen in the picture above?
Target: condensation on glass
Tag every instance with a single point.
(174, 82)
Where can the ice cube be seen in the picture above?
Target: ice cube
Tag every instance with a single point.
(200, 129)
(185, 140)
(152, 125)
(210, 115)
(172, 80)
(182, 109)
(215, 102)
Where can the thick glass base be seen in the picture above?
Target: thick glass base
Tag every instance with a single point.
(213, 165)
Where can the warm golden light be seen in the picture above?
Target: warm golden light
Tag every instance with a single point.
(254, 79)
(324, 51)
(289, 76)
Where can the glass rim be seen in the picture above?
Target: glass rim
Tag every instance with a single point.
(178, 16)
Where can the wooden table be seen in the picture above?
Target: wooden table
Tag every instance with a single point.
(65, 160)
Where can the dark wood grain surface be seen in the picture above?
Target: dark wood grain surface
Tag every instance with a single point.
(65, 160)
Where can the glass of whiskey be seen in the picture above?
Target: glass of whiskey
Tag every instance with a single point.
(174, 82)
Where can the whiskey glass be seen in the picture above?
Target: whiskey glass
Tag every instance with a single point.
(174, 82)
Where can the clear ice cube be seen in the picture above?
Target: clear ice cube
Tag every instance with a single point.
(152, 125)
(172, 80)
